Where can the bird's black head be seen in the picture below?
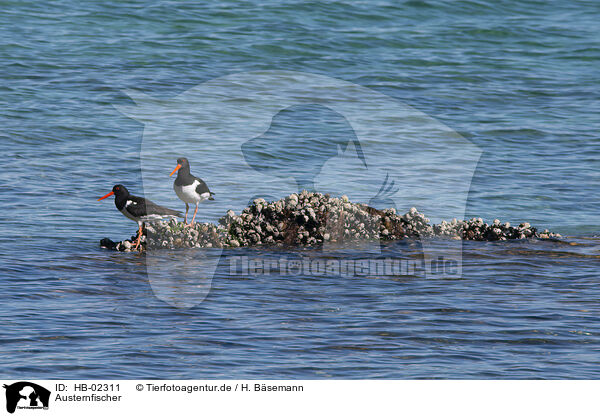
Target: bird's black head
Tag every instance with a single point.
(183, 164)
(120, 190)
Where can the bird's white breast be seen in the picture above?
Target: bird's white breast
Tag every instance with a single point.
(188, 194)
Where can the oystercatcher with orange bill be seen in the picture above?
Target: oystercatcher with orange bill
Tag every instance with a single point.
(189, 189)
(139, 209)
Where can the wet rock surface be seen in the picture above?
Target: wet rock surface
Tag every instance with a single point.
(309, 219)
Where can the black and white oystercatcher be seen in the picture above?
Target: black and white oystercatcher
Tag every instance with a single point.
(189, 189)
(139, 209)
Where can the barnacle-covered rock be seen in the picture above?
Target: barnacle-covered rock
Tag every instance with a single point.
(309, 219)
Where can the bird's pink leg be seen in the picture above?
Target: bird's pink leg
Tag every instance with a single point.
(194, 217)
(137, 243)
(187, 208)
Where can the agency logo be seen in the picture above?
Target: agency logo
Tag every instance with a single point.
(26, 395)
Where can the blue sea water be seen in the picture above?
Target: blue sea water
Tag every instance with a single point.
(519, 80)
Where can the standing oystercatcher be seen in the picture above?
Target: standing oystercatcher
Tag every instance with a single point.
(138, 209)
(188, 188)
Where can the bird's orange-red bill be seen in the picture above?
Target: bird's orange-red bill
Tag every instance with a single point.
(106, 196)
(176, 169)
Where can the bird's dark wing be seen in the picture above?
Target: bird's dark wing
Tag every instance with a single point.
(202, 188)
(142, 207)
(136, 206)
